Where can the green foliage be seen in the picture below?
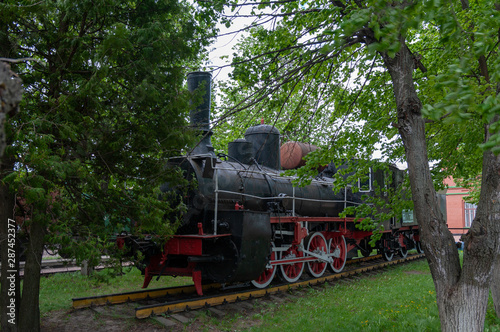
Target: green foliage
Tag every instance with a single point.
(104, 109)
(318, 74)
(460, 94)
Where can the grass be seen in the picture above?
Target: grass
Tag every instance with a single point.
(400, 299)
(57, 291)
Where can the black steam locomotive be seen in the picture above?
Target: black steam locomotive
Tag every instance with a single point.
(246, 221)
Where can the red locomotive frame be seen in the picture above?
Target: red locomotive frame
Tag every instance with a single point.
(192, 245)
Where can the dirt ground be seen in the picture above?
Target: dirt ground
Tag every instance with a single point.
(89, 320)
(122, 318)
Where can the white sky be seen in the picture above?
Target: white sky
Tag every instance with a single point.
(223, 47)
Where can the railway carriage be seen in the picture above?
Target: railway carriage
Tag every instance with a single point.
(247, 222)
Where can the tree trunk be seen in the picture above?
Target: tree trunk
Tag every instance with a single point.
(495, 281)
(464, 307)
(484, 235)
(462, 294)
(29, 310)
(10, 290)
(10, 95)
(495, 286)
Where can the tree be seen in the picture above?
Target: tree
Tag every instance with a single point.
(105, 107)
(10, 95)
(424, 70)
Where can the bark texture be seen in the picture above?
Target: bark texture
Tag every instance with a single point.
(462, 294)
(10, 97)
(30, 309)
(6, 212)
(495, 286)
(484, 235)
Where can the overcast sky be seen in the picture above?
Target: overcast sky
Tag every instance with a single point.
(224, 45)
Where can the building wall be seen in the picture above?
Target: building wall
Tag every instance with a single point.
(455, 208)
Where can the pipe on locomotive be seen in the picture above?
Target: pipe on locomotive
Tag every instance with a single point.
(201, 82)
(199, 116)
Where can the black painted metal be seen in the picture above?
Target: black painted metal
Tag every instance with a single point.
(240, 150)
(266, 145)
(259, 189)
(250, 240)
(199, 84)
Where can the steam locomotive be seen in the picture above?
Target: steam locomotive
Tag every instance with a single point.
(246, 221)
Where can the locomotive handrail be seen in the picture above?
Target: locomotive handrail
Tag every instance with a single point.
(290, 197)
(216, 171)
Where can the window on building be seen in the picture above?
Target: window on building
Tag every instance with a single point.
(470, 213)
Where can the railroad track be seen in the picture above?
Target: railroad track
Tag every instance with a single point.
(178, 299)
(62, 265)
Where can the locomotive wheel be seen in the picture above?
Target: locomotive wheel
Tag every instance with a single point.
(317, 245)
(384, 248)
(368, 248)
(418, 246)
(335, 243)
(291, 272)
(268, 275)
(387, 254)
(403, 252)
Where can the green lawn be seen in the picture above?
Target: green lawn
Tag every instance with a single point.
(56, 291)
(399, 299)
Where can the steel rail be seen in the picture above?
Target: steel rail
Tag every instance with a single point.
(205, 302)
(99, 300)
(117, 298)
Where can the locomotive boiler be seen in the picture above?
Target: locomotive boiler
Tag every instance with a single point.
(246, 221)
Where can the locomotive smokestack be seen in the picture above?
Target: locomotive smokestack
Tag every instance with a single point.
(199, 83)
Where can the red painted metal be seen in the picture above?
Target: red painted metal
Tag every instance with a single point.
(301, 259)
(189, 245)
(197, 236)
(197, 282)
(151, 270)
(268, 273)
(192, 245)
(401, 240)
(120, 242)
(317, 243)
(291, 272)
(299, 233)
(284, 220)
(186, 245)
(339, 262)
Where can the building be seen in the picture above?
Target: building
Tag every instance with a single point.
(459, 213)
